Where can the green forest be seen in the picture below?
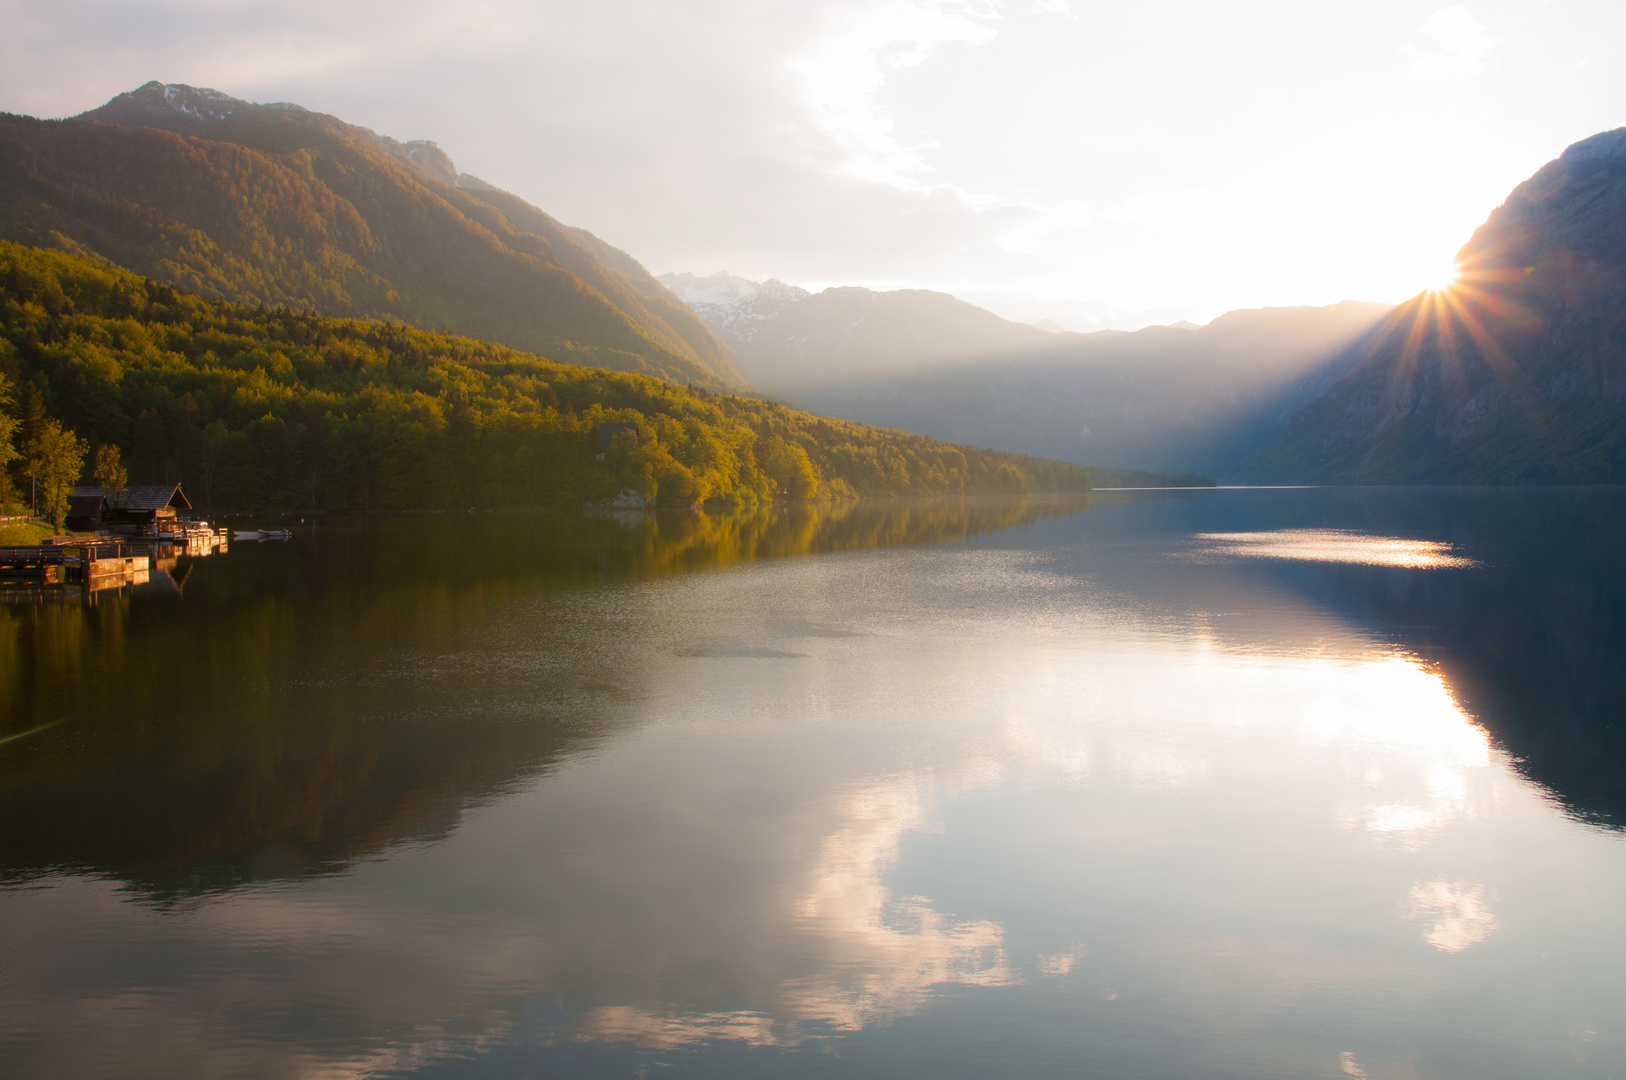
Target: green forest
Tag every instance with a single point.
(273, 409)
(298, 209)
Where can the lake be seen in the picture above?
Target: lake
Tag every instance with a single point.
(1228, 783)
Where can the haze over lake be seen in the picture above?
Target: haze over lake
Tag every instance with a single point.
(1227, 783)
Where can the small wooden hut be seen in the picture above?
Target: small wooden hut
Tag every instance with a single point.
(87, 510)
(137, 510)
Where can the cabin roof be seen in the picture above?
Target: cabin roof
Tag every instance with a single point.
(139, 496)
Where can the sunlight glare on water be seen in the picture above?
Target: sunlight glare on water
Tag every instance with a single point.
(1336, 545)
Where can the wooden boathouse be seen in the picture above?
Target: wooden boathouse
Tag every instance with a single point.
(137, 510)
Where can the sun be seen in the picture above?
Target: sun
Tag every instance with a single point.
(1444, 278)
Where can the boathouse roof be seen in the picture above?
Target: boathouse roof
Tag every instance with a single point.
(139, 496)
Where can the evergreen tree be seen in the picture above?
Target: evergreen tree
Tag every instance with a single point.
(29, 426)
(8, 441)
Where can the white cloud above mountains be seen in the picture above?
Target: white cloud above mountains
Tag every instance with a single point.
(1454, 46)
(846, 69)
(1096, 163)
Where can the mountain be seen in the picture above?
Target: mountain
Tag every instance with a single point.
(281, 410)
(790, 341)
(1159, 398)
(1167, 397)
(1515, 374)
(277, 205)
(736, 309)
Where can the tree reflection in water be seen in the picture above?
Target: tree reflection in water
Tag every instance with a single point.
(295, 709)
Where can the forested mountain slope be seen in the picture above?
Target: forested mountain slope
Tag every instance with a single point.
(1517, 374)
(256, 408)
(277, 205)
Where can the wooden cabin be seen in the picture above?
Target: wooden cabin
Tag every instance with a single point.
(137, 510)
(87, 512)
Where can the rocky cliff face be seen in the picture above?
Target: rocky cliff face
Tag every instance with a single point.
(1516, 374)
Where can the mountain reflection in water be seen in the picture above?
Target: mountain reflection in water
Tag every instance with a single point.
(946, 789)
(305, 705)
(1528, 626)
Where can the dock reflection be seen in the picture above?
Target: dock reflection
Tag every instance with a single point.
(278, 711)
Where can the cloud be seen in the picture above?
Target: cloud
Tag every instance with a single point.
(1454, 46)
(844, 73)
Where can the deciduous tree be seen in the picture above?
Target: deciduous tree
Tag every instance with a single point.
(108, 473)
(56, 458)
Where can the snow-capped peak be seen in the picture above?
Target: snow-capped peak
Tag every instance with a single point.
(731, 305)
(720, 288)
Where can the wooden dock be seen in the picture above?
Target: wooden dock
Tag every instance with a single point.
(90, 561)
(31, 564)
(91, 568)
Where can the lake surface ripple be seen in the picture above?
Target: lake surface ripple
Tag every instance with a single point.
(1292, 783)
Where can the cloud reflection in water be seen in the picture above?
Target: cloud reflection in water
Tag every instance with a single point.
(1455, 914)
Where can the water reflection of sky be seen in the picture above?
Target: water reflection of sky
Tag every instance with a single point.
(1337, 546)
(930, 809)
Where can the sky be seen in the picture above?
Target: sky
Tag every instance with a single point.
(1097, 164)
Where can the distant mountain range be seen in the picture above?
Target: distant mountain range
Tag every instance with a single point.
(275, 204)
(1515, 375)
(1518, 374)
(1168, 398)
(789, 341)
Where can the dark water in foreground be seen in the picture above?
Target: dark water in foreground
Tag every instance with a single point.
(1199, 784)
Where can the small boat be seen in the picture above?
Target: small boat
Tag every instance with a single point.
(247, 534)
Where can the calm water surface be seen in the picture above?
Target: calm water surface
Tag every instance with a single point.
(1198, 784)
